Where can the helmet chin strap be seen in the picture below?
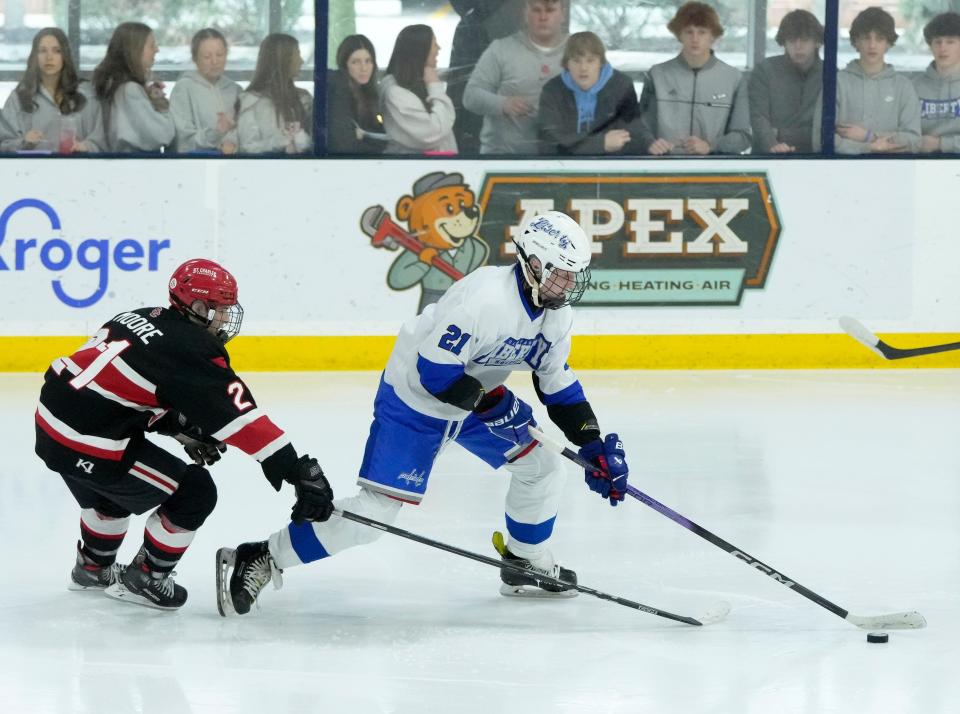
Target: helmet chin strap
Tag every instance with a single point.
(532, 282)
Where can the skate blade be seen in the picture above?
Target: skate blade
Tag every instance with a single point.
(534, 593)
(226, 559)
(78, 588)
(118, 592)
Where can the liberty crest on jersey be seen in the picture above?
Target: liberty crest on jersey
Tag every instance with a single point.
(517, 350)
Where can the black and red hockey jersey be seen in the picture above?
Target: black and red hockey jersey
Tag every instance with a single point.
(139, 366)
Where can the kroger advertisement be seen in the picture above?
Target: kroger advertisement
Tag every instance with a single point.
(356, 247)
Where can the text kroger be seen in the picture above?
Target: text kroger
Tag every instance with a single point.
(57, 255)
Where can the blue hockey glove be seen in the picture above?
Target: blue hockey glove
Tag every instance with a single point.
(610, 478)
(508, 417)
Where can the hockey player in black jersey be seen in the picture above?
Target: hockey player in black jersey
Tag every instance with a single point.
(163, 370)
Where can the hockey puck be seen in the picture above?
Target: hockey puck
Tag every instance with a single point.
(879, 637)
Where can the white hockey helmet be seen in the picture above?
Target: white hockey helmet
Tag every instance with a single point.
(554, 256)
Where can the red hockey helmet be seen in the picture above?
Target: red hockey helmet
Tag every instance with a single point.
(206, 292)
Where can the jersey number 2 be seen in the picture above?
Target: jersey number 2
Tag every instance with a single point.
(236, 389)
(454, 339)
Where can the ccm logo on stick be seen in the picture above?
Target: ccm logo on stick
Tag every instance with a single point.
(763, 568)
(56, 255)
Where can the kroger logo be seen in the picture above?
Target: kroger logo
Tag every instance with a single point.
(56, 255)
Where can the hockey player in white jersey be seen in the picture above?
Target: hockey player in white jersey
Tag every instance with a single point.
(444, 382)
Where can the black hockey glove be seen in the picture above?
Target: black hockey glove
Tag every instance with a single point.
(203, 451)
(314, 495)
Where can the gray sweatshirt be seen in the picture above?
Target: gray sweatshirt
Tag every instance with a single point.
(940, 106)
(413, 128)
(783, 100)
(134, 125)
(511, 66)
(261, 132)
(884, 103)
(711, 102)
(46, 118)
(195, 104)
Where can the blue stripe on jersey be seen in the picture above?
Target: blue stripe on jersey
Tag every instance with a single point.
(305, 542)
(568, 395)
(436, 378)
(530, 533)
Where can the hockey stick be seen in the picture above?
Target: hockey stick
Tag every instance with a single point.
(894, 621)
(869, 340)
(715, 614)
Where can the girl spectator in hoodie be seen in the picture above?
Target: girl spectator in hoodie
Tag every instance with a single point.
(353, 101)
(590, 108)
(49, 109)
(274, 115)
(136, 114)
(417, 113)
(203, 101)
(877, 109)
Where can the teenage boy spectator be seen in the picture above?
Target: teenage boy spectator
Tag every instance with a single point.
(877, 109)
(506, 83)
(939, 86)
(590, 108)
(695, 103)
(784, 90)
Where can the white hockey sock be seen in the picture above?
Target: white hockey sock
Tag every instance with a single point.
(532, 500)
(307, 542)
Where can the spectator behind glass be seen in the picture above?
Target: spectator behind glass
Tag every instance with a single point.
(590, 108)
(274, 115)
(417, 113)
(939, 86)
(481, 22)
(877, 109)
(695, 103)
(784, 90)
(354, 124)
(506, 83)
(49, 110)
(135, 113)
(203, 101)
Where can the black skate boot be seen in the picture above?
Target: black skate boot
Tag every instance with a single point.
(253, 567)
(518, 584)
(142, 586)
(87, 575)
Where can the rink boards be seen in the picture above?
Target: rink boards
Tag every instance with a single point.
(697, 264)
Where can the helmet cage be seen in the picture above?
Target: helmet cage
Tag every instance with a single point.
(221, 321)
(554, 287)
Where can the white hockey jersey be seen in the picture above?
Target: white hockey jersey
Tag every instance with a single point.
(483, 326)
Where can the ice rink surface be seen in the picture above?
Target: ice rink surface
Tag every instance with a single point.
(847, 482)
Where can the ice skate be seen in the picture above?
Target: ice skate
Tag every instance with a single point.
(516, 584)
(141, 586)
(252, 568)
(90, 576)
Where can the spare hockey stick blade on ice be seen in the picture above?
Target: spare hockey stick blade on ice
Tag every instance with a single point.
(893, 621)
(714, 614)
(869, 340)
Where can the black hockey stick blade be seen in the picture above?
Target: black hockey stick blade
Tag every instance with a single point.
(861, 334)
(716, 613)
(894, 621)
